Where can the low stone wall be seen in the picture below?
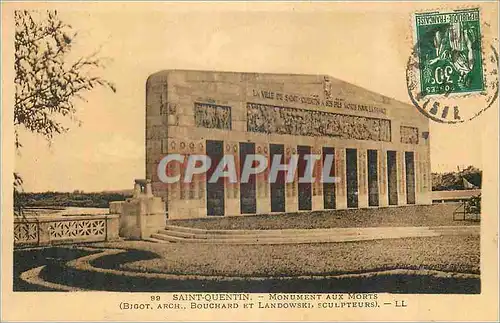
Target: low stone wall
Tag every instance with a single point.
(457, 195)
(45, 230)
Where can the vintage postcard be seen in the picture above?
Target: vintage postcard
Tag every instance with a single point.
(250, 161)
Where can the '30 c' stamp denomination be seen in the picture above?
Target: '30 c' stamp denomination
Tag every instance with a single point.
(452, 73)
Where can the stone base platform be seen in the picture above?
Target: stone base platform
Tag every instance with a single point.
(294, 236)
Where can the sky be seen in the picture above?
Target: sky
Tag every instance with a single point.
(364, 44)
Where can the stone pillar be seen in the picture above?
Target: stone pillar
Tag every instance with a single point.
(291, 196)
(143, 214)
(426, 177)
(43, 233)
(137, 189)
(401, 177)
(340, 186)
(112, 227)
(382, 178)
(362, 178)
(149, 189)
(317, 185)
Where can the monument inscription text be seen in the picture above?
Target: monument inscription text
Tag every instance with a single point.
(315, 100)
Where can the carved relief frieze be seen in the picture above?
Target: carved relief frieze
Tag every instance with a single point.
(212, 116)
(409, 135)
(300, 122)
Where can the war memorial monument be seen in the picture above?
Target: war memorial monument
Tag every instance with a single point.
(379, 146)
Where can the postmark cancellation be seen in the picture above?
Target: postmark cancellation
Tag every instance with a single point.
(451, 74)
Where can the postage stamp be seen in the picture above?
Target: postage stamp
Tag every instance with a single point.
(452, 66)
(449, 48)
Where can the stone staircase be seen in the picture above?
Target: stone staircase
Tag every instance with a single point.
(178, 234)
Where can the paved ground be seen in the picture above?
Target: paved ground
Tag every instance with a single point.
(444, 253)
(444, 264)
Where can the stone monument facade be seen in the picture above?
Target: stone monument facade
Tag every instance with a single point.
(380, 145)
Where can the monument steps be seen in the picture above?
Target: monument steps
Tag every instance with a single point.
(258, 240)
(178, 234)
(151, 239)
(229, 232)
(239, 234)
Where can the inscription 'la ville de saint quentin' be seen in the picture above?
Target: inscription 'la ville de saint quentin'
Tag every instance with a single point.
(315, 100)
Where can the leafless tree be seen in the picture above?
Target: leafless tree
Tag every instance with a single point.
(47, 82)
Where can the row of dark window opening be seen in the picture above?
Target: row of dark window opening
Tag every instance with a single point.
(248, 196)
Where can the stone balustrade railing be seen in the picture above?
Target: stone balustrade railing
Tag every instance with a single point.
(135, 218)
(45, 230)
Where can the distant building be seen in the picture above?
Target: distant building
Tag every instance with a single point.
(380, 146)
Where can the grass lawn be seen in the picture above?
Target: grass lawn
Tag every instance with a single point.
(418, 215)
(458, 254)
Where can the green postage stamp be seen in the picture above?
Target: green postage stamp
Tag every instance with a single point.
(449, 52)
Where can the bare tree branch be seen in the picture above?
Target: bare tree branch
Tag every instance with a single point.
(46, 83)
